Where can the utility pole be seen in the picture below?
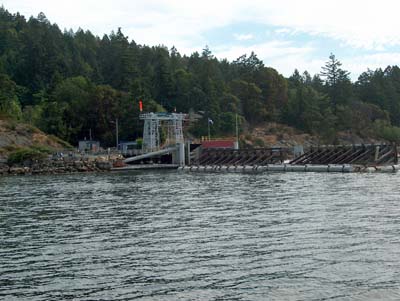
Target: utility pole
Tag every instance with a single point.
(237, 129)
(208, 123)
(237, 132)
(116, 132)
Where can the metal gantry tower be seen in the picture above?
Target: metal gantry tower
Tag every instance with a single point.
(151, 135)
(152, 125)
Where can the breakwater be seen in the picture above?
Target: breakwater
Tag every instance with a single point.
(56, 166)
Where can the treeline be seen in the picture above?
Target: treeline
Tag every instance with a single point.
(69, 83)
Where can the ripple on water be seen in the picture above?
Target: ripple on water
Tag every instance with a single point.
(181, 236)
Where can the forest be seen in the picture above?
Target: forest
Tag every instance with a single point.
(69, 83)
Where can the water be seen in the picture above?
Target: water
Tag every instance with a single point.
(181, 236)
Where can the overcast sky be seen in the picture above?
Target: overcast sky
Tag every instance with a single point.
(285, 34)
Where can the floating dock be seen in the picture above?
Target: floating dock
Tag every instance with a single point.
(343, 158)
(346, 168)
(145, 167)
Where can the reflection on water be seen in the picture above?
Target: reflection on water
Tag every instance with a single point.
(182, 236)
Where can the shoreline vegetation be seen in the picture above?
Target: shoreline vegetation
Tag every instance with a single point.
(59, 87)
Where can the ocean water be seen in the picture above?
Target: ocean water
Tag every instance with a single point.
(200, 236)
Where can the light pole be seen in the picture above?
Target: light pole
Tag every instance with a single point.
(116, 132)
(208, 122)
(237, 132)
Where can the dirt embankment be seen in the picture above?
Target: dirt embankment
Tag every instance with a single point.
(279, 135)
(15, 135)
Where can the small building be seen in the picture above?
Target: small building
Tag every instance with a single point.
(130, 148)
(89, 146)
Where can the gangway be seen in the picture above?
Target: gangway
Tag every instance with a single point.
(152, 154)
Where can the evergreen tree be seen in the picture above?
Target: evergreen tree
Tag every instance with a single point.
(9, 103)
(337, 82)
(70, 82)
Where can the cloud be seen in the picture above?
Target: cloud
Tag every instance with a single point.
(284, 31)
(369, 24)
(356, 64)
(362, 63)
(279, 54)
(366, 26)
(267, 50)
(243, 37)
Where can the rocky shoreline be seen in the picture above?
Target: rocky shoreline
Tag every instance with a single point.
(58, 166)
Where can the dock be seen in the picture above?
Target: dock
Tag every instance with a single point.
(343, 159)
(217, 157)
(145, 167)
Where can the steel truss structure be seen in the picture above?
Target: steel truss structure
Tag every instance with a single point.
(153, 124)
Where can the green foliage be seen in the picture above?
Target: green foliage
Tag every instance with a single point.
(250, 96)
(227, 123)
(51, 119)
(42, 149)
(259, 142)
(309, 110)
(9, 103)
(24, 154)
(70, 84)
(337, 83)
(139, 142)
(32, 114)
(386, 131)
(381, 88)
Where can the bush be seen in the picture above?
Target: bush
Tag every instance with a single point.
(24, 154)
(42, 149)
(384, 130)
(258, 142)
(139, 142)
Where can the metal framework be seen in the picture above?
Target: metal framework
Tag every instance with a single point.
(368, 155)
(231, 157)
(152, 125)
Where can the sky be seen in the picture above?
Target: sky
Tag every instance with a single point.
(285, 34)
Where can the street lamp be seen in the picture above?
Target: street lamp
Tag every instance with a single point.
(116, 132)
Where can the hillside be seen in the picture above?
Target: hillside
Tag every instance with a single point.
(279, 135)
(14, 136)
(71, 83)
